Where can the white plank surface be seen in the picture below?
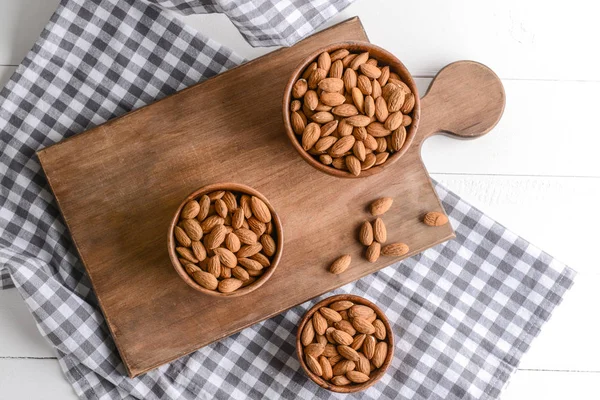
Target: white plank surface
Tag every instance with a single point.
(537, 172)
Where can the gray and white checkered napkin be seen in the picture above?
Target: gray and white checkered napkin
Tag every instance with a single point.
(463, 312)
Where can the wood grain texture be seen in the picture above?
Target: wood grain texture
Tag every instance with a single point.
(119, 184)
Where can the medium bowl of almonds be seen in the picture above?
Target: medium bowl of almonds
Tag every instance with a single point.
(351, 109)
(225, 240)
(345, 343)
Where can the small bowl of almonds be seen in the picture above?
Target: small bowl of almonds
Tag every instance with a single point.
(225, 240)
(345, 343)
(351, 109)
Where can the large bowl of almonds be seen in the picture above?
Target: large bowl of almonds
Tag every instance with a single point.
(351, 109)
(225, 240)
(345, 343)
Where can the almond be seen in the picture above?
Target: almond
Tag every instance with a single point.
(181, 237)
(249, 250)
(324, 61)
(341, 305)
(204, 204)
(206, 280)
(190, 210)
(245, 205)
(329, 128)
(380, 332)
(308, 334)
(313, 365)
(363, 326)
(362, 365)
(339, 54)
(435, 218)
(319, 323)
(337, 69)
(366, 233)
(309, 70)
(398, 138)
(370, 142)
(395, 80)
(370, 107)
(189, 268)
(268, 245)
(376, 92)
(330, 350)
(214, 266)
(358, 120)
(216, 195)
(380, 354)
(359, 150)
(228, 259)
(314, 349)
(369, 161)
(395, 249)
(262, 259)
(358, 99)
(198, 250)
(360, 311)
(373, 252)
(330, 315)
(341, 264)
(348, 353)
(237, 218)
(192, 228)
(325, 159)
(342, 146)
(379, 231)
(335, 359)
(311, 100)
(356, 376)
(256, 226)
(187, 254)
(322, 117)
(376, 129)
(345, 110)
(371, 318)
(210, 222)
(342, 367)
(341, 337)
(250, 264)
(260, 210)
(310, 136)
(339, 163)
(321, 339)
(381, 206)
(370, 71)
(353, 164)
(240, 273)
(406, 120)
(332, 99)
(364, 84)
(315, 77)
(349, 79)
(393, 121)
(299, 88)
(298, 124)
(230, 201)
(409, 104)
(344, 129)
(344, 315)
(229, 285)
(358, 341)
(345, 326)
(381, 144)
(359, 60)
(327, 371)
(216, 237)
(331, 84)
(340, 380)
(369, 346)
(395, 100)
(246, 236)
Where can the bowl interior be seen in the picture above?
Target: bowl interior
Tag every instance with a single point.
(384, 58)
(355, 387)
(237, 188)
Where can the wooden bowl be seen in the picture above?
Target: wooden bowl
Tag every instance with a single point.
(354, 387)
(385, 58)
(236, 188)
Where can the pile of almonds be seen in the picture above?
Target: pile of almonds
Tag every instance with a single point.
(351, 112)
(225, 240)
(344, 343)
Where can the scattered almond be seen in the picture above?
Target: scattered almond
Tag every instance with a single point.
(341, 264)
(381, 206)
(435, 218)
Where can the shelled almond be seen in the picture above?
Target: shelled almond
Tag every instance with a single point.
(344, 343)
(225, 240)
(373, 234)
(350, 113)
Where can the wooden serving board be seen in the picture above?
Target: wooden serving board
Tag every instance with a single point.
(119, 184)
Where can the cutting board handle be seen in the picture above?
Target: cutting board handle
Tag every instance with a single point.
(465, 100)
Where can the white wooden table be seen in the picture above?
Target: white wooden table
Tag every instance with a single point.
(538, 172)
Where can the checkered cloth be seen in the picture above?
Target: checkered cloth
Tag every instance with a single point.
(463, 312)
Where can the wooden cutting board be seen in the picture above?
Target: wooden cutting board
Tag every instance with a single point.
(119, 184)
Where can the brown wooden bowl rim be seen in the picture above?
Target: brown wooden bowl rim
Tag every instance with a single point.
(389, 339)
(233, 187)
(398, 67)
